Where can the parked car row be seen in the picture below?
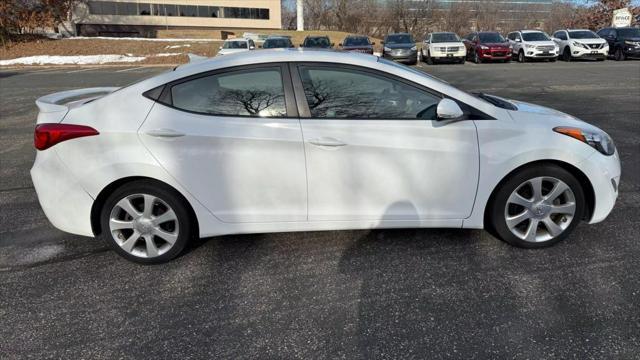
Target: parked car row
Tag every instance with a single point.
(479, 47)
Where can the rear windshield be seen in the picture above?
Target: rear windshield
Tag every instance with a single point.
(356, 41)
(235, 45)
(534, 36)
(399, 39)
(491, 38)
(276, 43)
(317, 42)
(445, 37)
(582, 34)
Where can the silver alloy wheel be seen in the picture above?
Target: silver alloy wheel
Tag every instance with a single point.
(143, 225)
(540, 209)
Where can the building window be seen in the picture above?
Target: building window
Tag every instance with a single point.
(188, 10)
(133, 9)
(246, 13)
(144, 9)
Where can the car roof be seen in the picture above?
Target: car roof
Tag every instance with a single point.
(443, 32)
(278, 38)
(237, 39)
(488, 32)
(316, 36)
(530, 31)
(577, 29)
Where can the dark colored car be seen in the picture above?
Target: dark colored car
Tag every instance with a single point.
(487, 46)
(400, 47)
(277, 42)
(623, 42)
(322, 42)
(357, 43)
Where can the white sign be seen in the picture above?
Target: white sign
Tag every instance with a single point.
(621, 18)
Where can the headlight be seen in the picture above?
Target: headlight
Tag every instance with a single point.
(484, 47)
(632, 43)
(600, 141)
(386, 49)
(414, 48)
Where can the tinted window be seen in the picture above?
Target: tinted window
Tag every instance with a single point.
(256, 92)
(356, 41)
(276, 43)
(321, 42)
(534, 36)
(629, 32)
(444, 37)
(491, 38)
(399, 39)
(353, 94)
(188, 10)
(234, 45)
(582, 34)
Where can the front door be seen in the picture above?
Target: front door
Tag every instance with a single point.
(230, 138)
(375, 151)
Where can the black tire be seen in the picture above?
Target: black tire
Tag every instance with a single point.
(496, 222)
(476, 58)
(521, 57)
(462, 60)
(566, 54)
(552, 60)
(619, 55)
(185, 219)
(429, 60)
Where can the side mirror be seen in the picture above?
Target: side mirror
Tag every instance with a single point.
(448, 110)
(518, 40)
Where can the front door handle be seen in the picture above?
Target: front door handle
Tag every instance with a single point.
(327, 141)
(166, 133)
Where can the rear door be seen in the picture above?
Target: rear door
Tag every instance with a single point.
(375, 151)
(232, 138)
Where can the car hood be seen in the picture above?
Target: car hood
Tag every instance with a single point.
(550, 43)
(496, 45)
(532, 112)
(632, 38)
(590, 41)
(400, 46)
(453, 43)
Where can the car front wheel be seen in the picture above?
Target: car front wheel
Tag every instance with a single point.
(619, 55)
(146, 223)
(537, 207)
(521, 57)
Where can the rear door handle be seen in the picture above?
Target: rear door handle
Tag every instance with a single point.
(166, 133)
(326, 141)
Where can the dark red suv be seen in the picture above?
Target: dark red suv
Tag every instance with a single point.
(487, 46)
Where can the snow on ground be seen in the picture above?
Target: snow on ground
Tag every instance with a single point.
(76, 59)
(167, 54)
(177, 46)
(140, 39)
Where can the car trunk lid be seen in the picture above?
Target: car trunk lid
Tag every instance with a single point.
(54, 107)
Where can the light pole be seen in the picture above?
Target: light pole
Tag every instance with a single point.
(300, 14)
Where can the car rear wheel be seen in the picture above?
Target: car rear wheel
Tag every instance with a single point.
(537, 207)
(146, 223)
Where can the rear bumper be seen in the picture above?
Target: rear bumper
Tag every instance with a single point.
(65, 203)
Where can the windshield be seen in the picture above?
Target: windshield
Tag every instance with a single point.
(582, 34)
(629, 32)
(399, 39)
(234, 45)
(356, 41)
(276, 43)
(534, 36)
(444, 37)
(317, 42)
(491, 38)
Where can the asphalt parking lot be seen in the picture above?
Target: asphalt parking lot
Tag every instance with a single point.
(416, 293)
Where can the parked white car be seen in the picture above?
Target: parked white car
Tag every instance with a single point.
(443, 46)
(301, 140)
(580, 43)
(231, 46)
(532, 44)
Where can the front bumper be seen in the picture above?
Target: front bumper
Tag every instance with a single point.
(65, 203)
(631, 51)
(495, 54)
(604, 173)
(540, 54)
(401, 56)
(579, 52)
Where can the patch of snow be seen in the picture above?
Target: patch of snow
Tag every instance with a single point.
(140, 39)
(167, 54)
(377, 54)
(177, 46)
(76, 59)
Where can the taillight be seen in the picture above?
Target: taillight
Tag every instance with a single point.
(47, 135)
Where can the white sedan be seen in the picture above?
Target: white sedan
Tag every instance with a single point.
(294, 140)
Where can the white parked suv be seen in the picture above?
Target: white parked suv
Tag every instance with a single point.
(231, 46)
(532, 44)
(441, 46)
(583, 44)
